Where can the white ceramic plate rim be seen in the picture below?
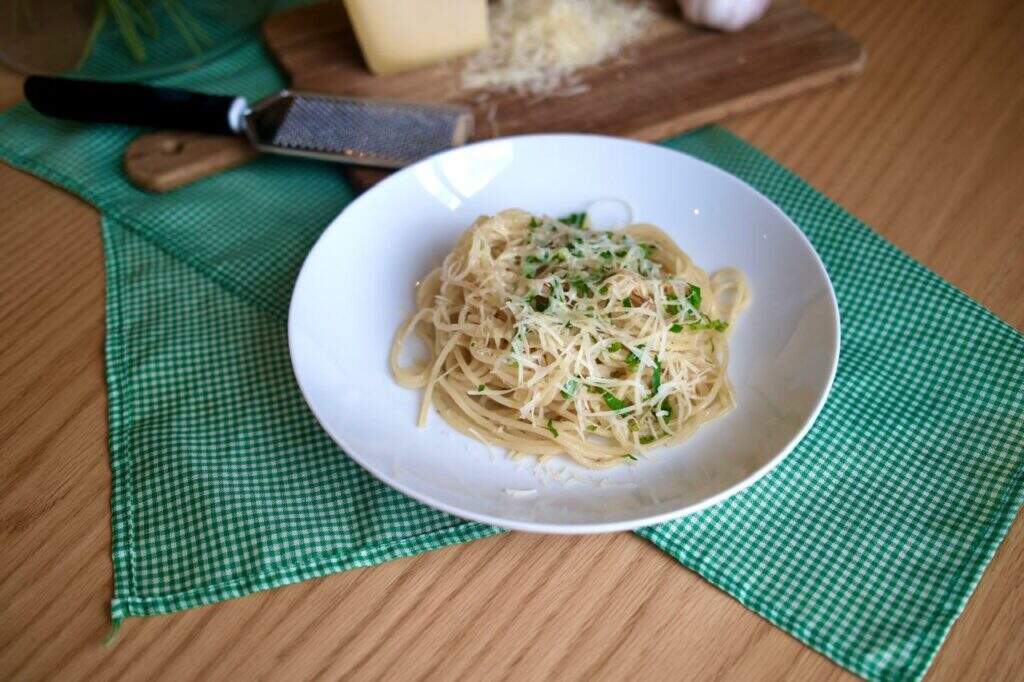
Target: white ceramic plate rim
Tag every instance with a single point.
(569, 528)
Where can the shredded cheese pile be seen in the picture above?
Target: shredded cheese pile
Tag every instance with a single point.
(538, 45)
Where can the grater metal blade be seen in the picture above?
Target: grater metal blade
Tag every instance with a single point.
(369, 132)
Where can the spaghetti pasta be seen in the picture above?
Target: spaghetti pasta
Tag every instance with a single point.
(545, 337)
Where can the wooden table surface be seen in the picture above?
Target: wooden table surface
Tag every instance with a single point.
(927, 147)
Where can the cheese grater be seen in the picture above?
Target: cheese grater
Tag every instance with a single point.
(368, 132)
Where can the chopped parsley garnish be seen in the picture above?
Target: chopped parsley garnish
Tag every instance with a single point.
(606, 255)
(694, 296)
(633, 360)
(569, 388)
(591, 428)
(534, 223)
(621, 253)
(707, 323)
(552, 429)
(647, 249)
(615, 347)
(481, 387)
(603, 290)
(614, 403)
(676, 328)
(647, 440)
(656, 375)
(627, 302)
(582, 290)
(666, 406)
(577, 220)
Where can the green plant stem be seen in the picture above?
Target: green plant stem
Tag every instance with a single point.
(183, 29)
(195, 25)
(122, 14)
(146, 19)
(98, 21)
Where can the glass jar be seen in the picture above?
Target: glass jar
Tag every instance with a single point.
(122, 39)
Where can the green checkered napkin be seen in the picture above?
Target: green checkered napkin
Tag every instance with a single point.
(865, 543)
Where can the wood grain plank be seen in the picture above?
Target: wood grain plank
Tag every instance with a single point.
(676, 78)
(926, 147)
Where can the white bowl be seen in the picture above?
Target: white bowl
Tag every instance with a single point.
(357, 285)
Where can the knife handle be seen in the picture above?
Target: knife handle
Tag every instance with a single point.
(135, 104)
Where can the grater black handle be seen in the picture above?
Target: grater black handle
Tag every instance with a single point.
(133, 104)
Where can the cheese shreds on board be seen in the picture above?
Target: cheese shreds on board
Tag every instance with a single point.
(538, 45)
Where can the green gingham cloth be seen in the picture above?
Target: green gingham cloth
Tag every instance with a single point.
(865, 542)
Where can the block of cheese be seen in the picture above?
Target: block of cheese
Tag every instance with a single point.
(401, 35)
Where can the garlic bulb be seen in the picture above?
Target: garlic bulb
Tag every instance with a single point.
(725, 15)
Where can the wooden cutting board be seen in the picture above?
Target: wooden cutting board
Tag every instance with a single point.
(678, 78)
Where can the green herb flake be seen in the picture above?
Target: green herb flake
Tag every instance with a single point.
(615, 347)
(630, 457)
(666, 406)
(672, 309)
(534, 223)
(656, 375)
(606, 255)
(676, 328)
(552, 429)
(627, 302)
(481, 387)
(582, 290)
(569, 388)
(577, 220)
(591, 428)
(693, 297)
(603, 290)
(614, 403)
(633, 360)
(647, 440)
(707, 323)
